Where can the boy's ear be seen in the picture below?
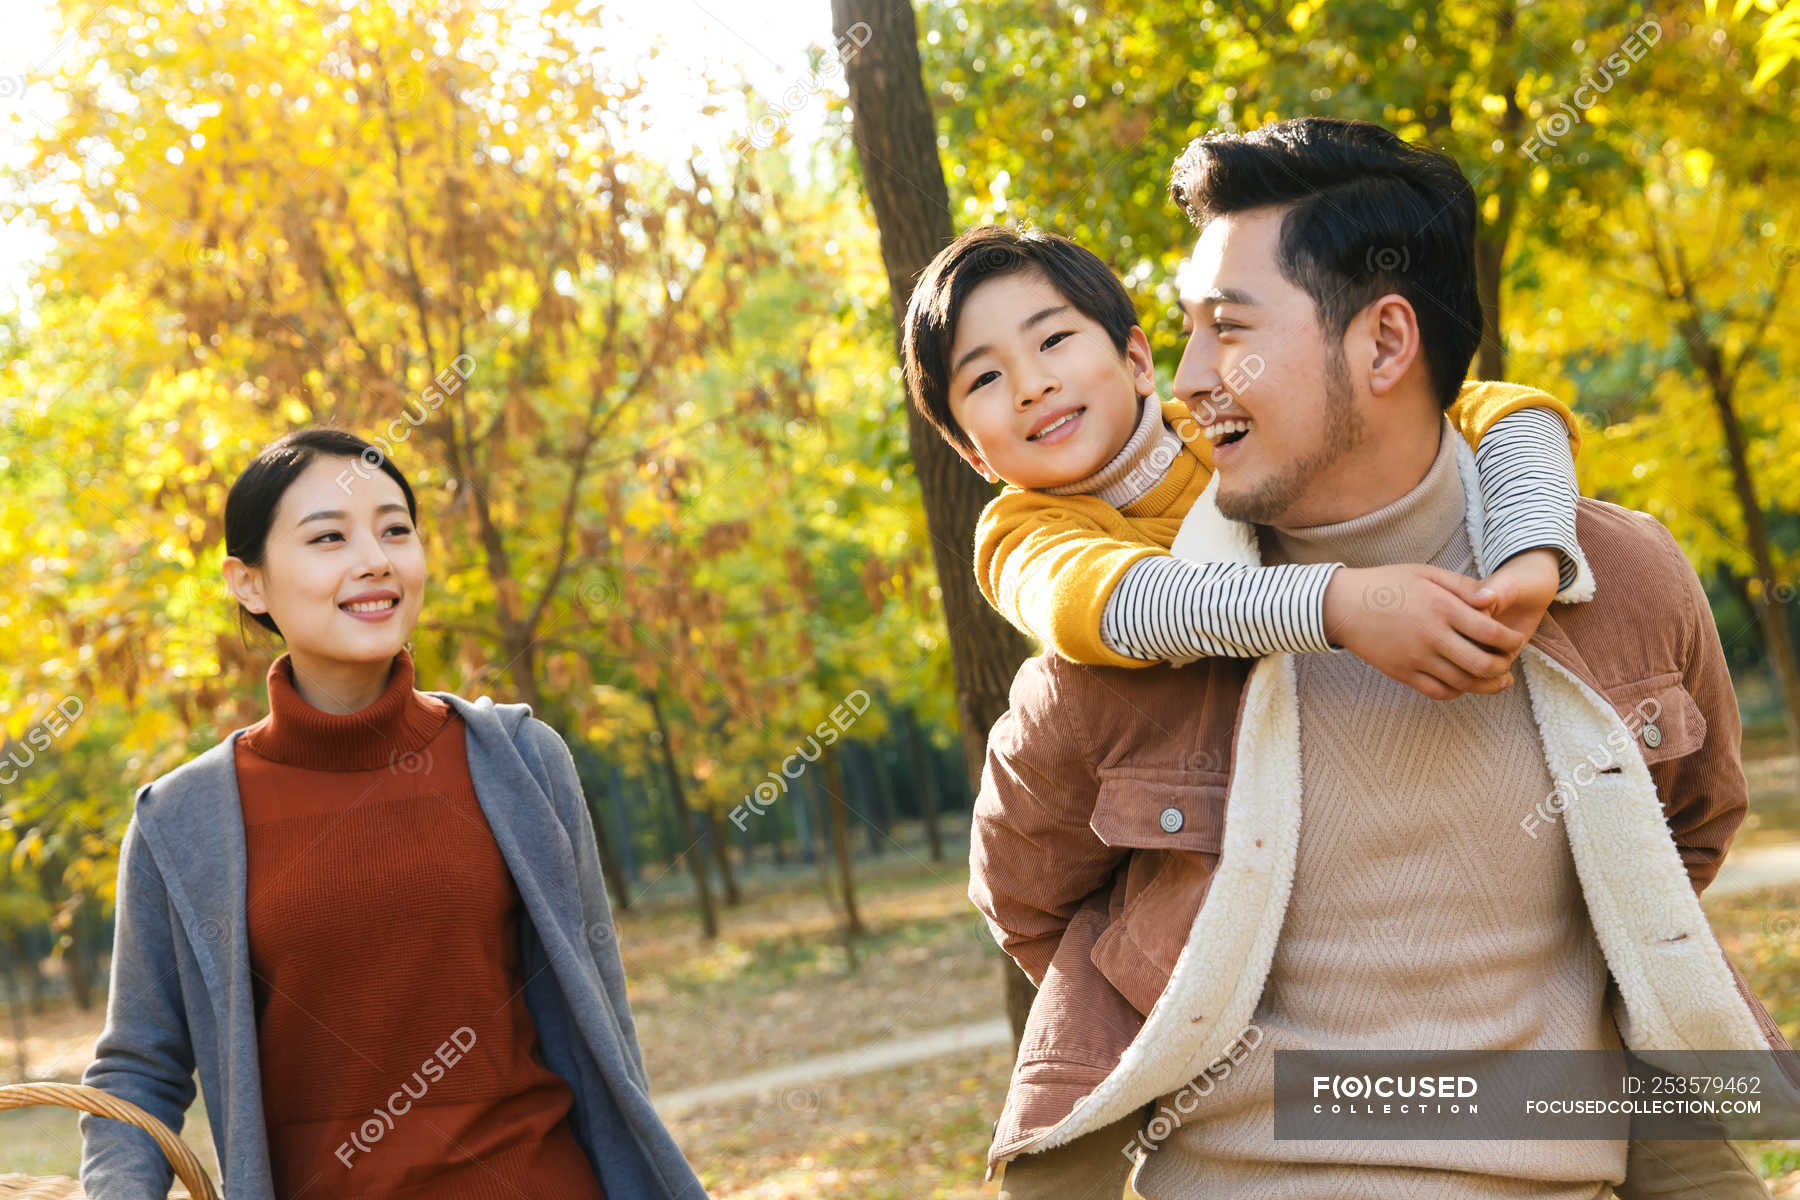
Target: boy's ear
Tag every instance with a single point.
(975, 460)
(1137, 354)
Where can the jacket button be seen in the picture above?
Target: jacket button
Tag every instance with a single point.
(1652, 735)
(1171, 820)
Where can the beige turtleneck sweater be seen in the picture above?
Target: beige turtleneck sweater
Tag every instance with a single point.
(1137, 468)
(1421, 918)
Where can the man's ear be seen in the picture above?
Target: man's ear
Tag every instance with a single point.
(1143, 368)
(246, 585)
(1391, 341)
(974, 459)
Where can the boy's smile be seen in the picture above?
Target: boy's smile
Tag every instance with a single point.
(1056, 426)
(1038, 387)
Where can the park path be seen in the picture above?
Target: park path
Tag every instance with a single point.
(860, 1060)
(1747, 870)
(1756, 867)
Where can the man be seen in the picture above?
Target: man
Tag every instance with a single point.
(1470, 874)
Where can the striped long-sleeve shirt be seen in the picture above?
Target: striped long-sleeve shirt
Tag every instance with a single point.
(1085, 568)
(1170, 608)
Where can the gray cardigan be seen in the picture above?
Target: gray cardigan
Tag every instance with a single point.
(181, 997)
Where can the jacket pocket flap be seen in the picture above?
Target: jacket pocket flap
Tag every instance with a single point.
(1662, 718)
(1156, 808)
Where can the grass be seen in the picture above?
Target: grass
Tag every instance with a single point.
(1760, 931)
(778, 987)
(1774, 778)
(47, 1141)
(911, 1134)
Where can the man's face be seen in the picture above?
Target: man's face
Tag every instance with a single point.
(1038, 386)
(1275, 399)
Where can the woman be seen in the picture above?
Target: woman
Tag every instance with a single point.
(374, 921)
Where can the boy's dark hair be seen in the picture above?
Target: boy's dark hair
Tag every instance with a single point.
(250, 504)
(1371, 214)
(979, 255)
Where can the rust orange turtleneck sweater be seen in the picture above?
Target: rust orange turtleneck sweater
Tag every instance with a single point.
(383, 937)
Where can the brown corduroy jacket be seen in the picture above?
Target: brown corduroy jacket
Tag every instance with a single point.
(1134, 838)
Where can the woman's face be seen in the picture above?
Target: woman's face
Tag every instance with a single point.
(343, 570)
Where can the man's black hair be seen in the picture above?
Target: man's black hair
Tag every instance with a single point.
(1369, 214)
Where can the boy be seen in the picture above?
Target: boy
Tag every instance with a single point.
(1024, 351)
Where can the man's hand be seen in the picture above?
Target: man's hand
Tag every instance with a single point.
(1425, 627)
(1523, 589)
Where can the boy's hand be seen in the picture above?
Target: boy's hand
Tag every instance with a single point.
(1523, 588)
(1424, 627)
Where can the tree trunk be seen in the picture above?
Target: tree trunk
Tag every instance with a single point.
(862, 797)
(802, 792)
(609, 864)
(709, 916)
(896, 144)
(926, 780)
(17, 1010)
(34, 975)
(840, 844)
(668, 831)
(622, 815)
(818, 848)
(1490, 255)
(558, 718)
(1772, 609)
(709, 823)
(81, 980)
(777, 842)
(887, 809)
(1504, 178)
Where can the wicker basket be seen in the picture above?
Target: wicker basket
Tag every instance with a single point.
(92, 1100)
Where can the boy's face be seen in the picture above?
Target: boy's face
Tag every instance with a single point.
(1037, 385)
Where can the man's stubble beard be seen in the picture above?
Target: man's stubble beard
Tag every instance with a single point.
(1340, 432)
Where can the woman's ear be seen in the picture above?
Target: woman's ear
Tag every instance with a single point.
(1143, 367)
(1393, 342)
(246, 584)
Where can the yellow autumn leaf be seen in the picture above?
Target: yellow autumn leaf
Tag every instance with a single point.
(1697, 165)
(1770, 68)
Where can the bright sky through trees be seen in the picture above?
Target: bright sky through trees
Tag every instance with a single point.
(764, 42)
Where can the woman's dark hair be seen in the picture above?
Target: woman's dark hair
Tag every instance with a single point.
(1371, 214)
(251, 503)
(979, 255)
